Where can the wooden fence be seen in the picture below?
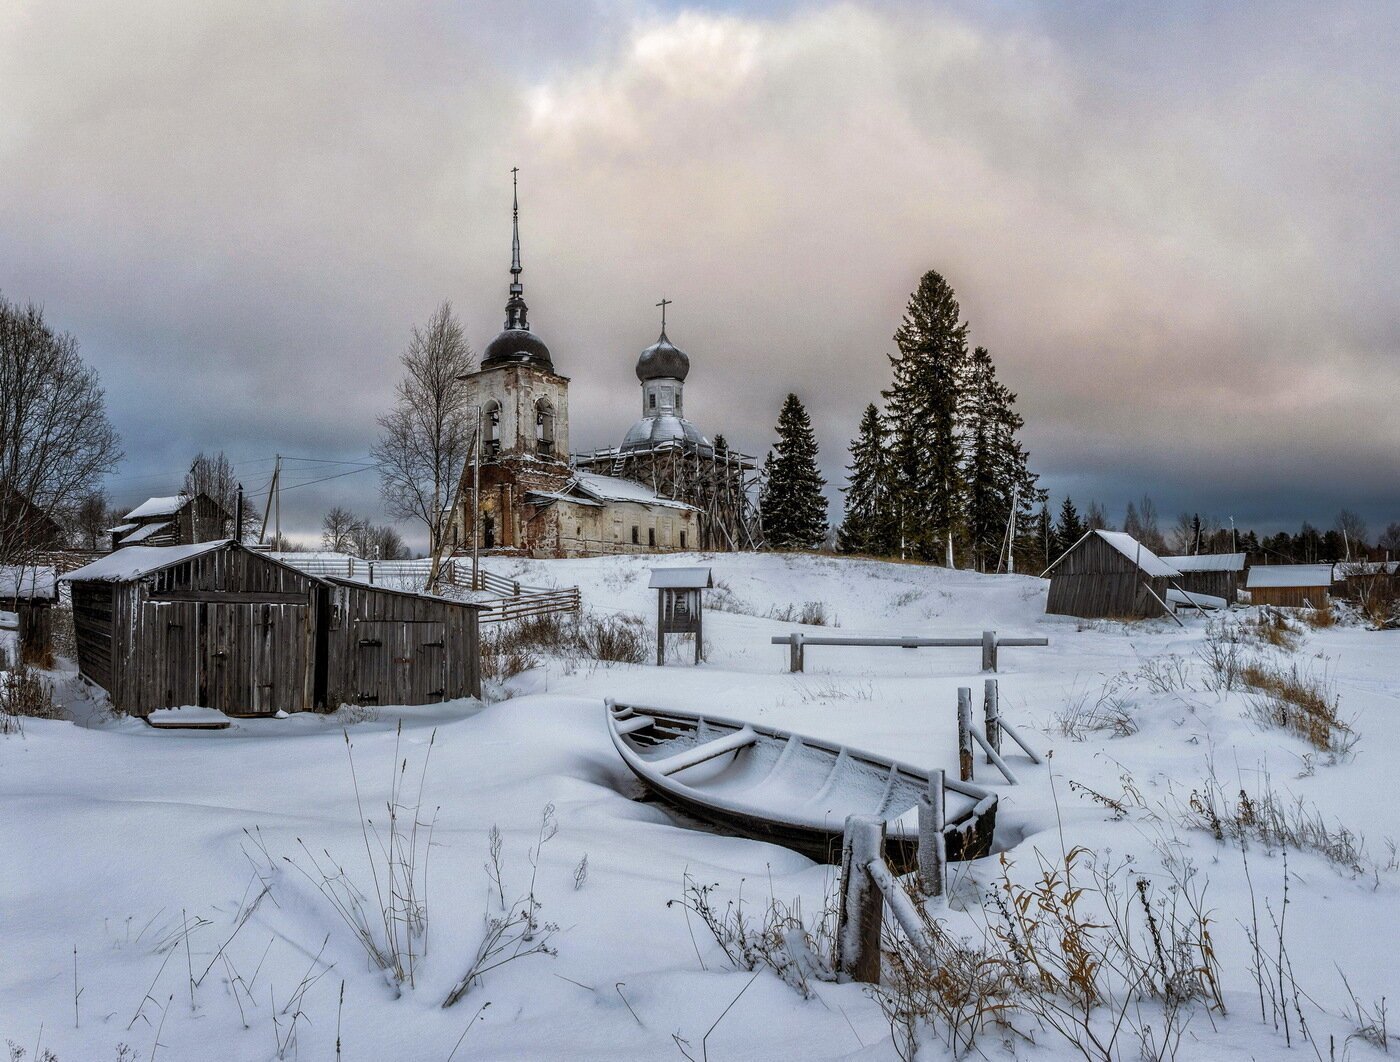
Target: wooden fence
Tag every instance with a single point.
(533, 603)
(990, 643)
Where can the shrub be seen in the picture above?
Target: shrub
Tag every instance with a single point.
(1301, 702)
(622, 639)
(809, 613)
(25, 694)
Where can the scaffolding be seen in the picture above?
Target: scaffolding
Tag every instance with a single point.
(721, 483)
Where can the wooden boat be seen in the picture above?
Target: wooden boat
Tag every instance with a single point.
(791, 790)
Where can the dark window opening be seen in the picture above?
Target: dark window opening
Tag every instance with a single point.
(651, 536)
(493, 430)
(682, 540)
(544, 427)
(636, 536)
(653, 400)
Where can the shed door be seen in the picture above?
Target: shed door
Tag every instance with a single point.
(400, 662)
(168, 677)
(256, 658)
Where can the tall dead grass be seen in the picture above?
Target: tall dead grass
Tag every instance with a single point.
(1301, 702)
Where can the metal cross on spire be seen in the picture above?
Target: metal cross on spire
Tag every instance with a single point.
(663, 304)
(515, 288)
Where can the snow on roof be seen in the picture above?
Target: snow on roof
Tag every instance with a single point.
(363, 583)
(122, 529)
(1135, 551)
(157, 507)
(144, 532)
(28, 581)
(680, 579)
(1344, 568)
(1207, 562)
(133, 562)
(1289, 575)
(614, 488)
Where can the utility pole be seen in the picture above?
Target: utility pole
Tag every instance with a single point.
(274, 489)
(476, 503)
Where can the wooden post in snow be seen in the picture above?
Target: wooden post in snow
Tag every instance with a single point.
(989, 650)
(991, 712)
(862, 906)
(965, 733)
(933, 845)
(795, 660)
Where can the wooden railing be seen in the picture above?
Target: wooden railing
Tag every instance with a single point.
(797, 643)
(535, 603)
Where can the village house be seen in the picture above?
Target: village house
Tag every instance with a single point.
(1109, 575)
(1290, 585)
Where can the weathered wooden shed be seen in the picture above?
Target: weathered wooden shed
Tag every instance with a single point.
(1362, 580)
(1289, 585)
(212, 624)
(180, 520)
(31, 591)
(1218, 574)
(1109, 575)
(378, 645)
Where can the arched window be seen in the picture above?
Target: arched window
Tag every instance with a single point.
(492, 429)
(544, 427)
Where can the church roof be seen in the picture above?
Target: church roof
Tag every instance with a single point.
(664, 428)
(663, 360)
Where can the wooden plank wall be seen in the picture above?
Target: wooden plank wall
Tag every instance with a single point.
(92, 624)
(1289, 596)
(1217, 584)
(392, 648)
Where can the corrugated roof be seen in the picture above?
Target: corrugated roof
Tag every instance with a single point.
(1207, 562)
(133, 562)
(680, 579)
(157, 507)
(1264, 575)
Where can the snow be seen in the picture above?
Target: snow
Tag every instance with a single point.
(1207, 562)
(1289, 575)
(680, 578)
(157, 507)
(142, 533)
(1136, 552)
(27, 581)
(614, 488)
(114, 832)
(189, 715)
(133, 562)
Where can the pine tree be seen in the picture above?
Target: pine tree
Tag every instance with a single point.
(869, 522)
(923, 403)
(1043, 551)
(791, 503)
(1070, 528)
(995, 466)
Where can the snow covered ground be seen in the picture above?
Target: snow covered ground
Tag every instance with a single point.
(116, 835)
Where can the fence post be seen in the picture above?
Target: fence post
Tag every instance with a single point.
(989, 650)
(933, 845)
(795, 660)
(862, 906)
(965, 733)
(991, 711)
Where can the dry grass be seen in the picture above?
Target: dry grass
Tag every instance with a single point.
(809, 613)
(25, 694)
(1086, 712)
(1301, 702)
(1319, 618)
(508, 649)
(1272, 626)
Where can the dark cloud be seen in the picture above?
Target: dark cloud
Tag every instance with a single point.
(1174, 227)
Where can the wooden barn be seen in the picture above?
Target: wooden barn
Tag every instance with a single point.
(1109, 575)
(1362, 580)
(30, 591)
(212, 624)
(385, 646)
(1217, 574)
(181, 520)
(1289, 585)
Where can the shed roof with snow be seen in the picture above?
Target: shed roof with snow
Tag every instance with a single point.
(1274, 575)
(136, 562)
(158, 507)
(1125, 544)
(680, 579)
(28, 582)
(1208, 562)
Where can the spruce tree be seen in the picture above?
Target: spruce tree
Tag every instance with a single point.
(995, 468)
(923, 403)
(869, 523)
(1069, 530)
(791, 503)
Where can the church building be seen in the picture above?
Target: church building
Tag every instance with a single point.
(525, 496)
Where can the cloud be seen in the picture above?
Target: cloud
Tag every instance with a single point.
(1176, 234)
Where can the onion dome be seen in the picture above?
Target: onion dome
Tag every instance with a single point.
(663, 360)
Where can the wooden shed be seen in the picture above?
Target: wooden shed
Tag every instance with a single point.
(1109, 575)
(1217, 574)
(31, 591)
(1289, 585)
(212, 624)
(379, 645)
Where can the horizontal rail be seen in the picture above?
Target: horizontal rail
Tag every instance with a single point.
(798, 641)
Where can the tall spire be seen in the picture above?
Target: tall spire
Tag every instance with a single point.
(516, 310)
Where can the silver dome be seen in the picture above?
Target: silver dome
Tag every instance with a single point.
(665, 428)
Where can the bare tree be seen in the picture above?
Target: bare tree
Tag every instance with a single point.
(91, 519)
(374, 542)
(1097, 519)
(56, 441)
(1354, 528)
(426, 438)
(1183, 535)
(338, 530)
(1390, 538)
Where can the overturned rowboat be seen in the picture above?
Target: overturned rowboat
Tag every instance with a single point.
(795, 791)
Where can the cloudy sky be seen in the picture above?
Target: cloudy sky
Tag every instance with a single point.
(1173, 224)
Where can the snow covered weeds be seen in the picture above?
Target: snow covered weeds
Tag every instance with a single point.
(509, 649)
(1085, 712)
(1297, 700)
(25, 693)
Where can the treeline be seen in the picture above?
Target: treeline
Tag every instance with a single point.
(344, 532)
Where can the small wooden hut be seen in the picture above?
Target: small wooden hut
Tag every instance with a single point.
(379, 645)
(1290, 585)
(1109, 575)
(212, 624)
(180, 520)
(1217, 574)
(31, 591)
